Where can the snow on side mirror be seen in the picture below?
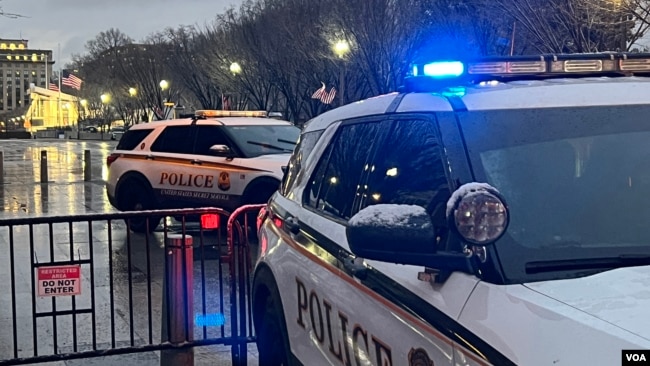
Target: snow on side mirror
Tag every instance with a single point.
(478, 213)
(383, 232)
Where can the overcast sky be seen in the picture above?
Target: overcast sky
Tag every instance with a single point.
(71, 23)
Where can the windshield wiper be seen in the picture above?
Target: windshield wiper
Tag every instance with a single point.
(287, 141)
(626, 260)
(268, 146)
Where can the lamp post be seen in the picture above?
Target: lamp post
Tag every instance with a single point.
(341, 49)
(236, 69)
(164, 85)
(132, 93)
(106, 99)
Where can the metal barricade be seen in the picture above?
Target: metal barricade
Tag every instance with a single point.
(85, 286)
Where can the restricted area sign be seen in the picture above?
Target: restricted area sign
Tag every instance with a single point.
(59, 280)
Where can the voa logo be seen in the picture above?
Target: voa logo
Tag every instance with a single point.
(635, 357)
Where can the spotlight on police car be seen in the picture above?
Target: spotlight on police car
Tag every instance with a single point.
(479, 213)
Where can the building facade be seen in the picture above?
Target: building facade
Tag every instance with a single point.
(20, 68)
(52, 110)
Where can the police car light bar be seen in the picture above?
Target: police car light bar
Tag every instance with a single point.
(444, 74)
(212, 113)
(543, 64)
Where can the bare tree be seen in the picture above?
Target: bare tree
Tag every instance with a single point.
(571, 25)
(189, 49)
(9, 15)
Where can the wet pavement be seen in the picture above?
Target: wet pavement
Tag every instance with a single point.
(122, 315)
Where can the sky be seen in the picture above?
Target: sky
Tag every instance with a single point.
(69, 24)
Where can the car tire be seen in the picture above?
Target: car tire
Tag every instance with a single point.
(139, 198)
(270, 327)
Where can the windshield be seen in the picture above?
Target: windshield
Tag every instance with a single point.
(264, 139)
(577, 183)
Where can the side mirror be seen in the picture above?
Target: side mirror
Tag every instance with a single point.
(401, 234)
(221, 150)
(379, 230)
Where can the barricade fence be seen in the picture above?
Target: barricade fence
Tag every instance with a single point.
(86, 286)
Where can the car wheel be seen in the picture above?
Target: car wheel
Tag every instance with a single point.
(139, 198)
(272, 337)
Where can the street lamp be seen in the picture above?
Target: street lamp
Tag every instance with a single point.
(105, 98)
(164, 85)
(235, 68)
(341, 49)
(132, 93)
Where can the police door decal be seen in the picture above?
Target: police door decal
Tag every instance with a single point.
(224, 181)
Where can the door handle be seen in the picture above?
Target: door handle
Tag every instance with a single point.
(292, 224)
(196, 162)
(356, 267)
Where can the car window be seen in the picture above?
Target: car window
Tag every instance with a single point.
(175, 139)
(305, 146)
(132, 138)
(208, 136)
(256, 140)
(334, 184)
(408, 169)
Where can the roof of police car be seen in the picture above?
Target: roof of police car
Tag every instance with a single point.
(223, 121)
(548, 93)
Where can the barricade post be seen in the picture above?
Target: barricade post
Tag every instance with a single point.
(178, 300)
(44, 166)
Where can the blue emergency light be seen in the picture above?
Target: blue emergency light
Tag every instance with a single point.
(442, 69)
(209, 320)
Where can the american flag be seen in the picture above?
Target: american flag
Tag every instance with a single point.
(327, 98)
(53, 87)
(318, 94)
(70, 80)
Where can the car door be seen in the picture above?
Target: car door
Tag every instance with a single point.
(347, 313)
(169, 168)
(224, 182)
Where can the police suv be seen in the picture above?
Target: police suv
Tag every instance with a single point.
(493, 212)
(217, 158)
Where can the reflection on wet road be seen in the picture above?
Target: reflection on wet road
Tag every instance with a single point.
(118, 258)
(66, 191)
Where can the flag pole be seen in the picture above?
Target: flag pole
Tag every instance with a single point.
(59, 118)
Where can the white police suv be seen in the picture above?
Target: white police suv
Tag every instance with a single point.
(493, 212)
(218, 158)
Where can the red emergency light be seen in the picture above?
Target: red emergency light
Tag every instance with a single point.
(210, 221)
